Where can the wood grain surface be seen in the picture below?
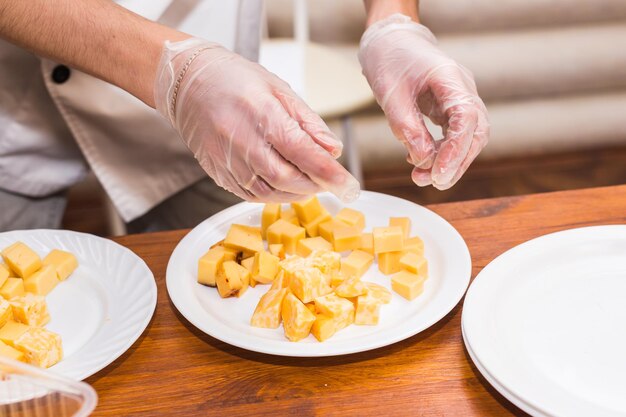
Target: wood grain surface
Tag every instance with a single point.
(176, 370)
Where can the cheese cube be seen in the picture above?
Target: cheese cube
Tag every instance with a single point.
(337, 279)
(367, 243)
(244, 238)
(40, 346)
(378, 292)
(267, 311)
(352, 218)
(311, 307)
(351, 287)
(30, 309)
(230, 278)
(210, 263)
(307, 210)
(7, 351)
(4, 274)
(281, 281)
(277, 249)
(265, 267)
(247, 263)
(340, 309)
(309, 283)
(388, 239)
(326, 229)
(403, 222)
(307, 246)
(21, 259)
(42, 281)
(356, 264)
(13, 287)
(289, 215)
(246, 279)
(415, 245)
(389, 262)
(12, 331)
(407, 284)
(285, 233)
(324, 327)
(6, 312)
(293, 264)
(328, 262)
(312, 228)
(414, 263)
(297, 318)
(270, 214)
(346, 238)
(367, 311)
(64, 263)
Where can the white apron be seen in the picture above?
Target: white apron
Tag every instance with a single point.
(136, 155)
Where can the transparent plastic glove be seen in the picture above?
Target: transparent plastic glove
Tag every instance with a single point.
(247, 129)
(412, 78)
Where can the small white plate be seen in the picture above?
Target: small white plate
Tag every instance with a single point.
(102, 308)
(545, 322)
(229, 319)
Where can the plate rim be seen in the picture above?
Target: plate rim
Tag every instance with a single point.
(173, 295)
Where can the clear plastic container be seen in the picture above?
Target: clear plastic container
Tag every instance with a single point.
(29, 391)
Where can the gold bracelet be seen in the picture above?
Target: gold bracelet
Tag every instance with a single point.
(179, 79)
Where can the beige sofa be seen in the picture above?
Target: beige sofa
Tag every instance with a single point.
(552, 72)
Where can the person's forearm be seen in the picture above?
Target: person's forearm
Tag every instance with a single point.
(380, 9)
(94, 36)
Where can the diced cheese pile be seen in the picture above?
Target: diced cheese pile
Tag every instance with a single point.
(314, 290)
(25, 280)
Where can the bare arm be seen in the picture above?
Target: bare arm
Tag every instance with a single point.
(95, 36)
(380, 9)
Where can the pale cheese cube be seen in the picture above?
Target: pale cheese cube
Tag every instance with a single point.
(297, 318)
(285, 233)
(388, 239)
(281, 281)
(415, 245)
(21, 259)
(267, 313)
(389, 262)
(277, 249)
(340, 309)
(30, 309)
(307, 246)
(351, 287)
(407, 284)
(12, 287)
(265, 267)
(312, 228)
(11, 353)
(4, 274)
(378, 292)
(40, 347)
(210, 263)
(351, 217)
(356, 264)
(367, 311)
(346, 238)
(403, 222)
(244, 238)
(289, 215)
(307, 210)
(64, 263)
(309, 283)
(247, 263)
(12, 331)
(327, 261)
(42, 281)
(327, 229)
(270, 214)
(414, 263)
(367, 243)
(6, 312)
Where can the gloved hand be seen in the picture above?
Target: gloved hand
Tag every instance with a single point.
(246, 127)
(410, 78)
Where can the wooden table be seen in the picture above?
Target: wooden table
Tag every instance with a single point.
(174, 369)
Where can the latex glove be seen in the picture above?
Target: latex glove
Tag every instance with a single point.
(410, 78)
(246, 127)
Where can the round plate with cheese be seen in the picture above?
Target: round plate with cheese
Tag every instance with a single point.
(229, 319)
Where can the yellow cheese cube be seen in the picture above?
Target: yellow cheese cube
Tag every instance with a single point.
(265, 267)
(6, 312)
(415, 245)
(209, 264)
(270, 214)
(293, 264)
(351, 287)
(42, 281)
(246, 279)
(297, 318)
(338, 308)
(281, 281)
(285, 233)
(388, 239)
(356, 264)
(267, 311)
(407, 284)
(30, 309)
(40, 347)
(346, 238)
(230, 278)
(12, 331)
(244, 238)
(247, 263)
(21, 259)
(308, 210)
(312, 228)
(403, 222)
(307, 246)
(389, 262)
(367, 243)
(326, 229)
(309, 283)
(324, 327)
(414, 263)
(64, 263)
(289, 215)
(328, 262)
(4, 274)
(13, 287)
(351, 217)
(336, 279)
(311, 307)
(277, 249)
(7, 351)
(367, 311)
(378, 292)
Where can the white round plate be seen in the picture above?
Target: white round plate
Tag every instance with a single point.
(229, 319)
(546, 321)
(102, 308)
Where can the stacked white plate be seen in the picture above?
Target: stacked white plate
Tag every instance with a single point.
(545, 323)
